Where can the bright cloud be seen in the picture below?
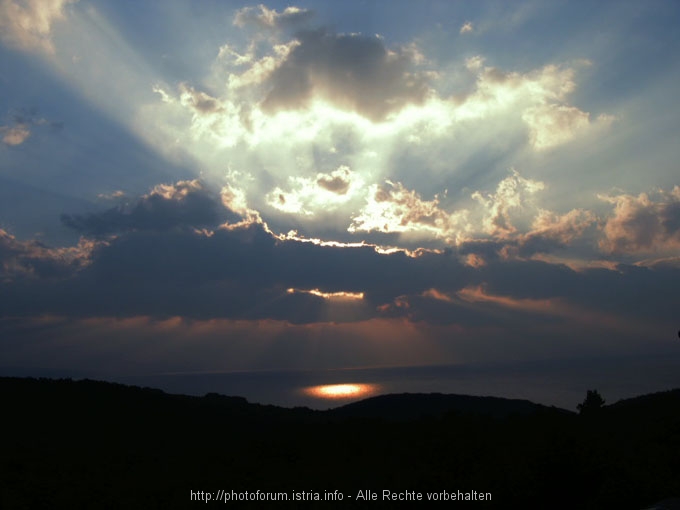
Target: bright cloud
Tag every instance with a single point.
(331, 296)
(552, 125)
(28, 24)
(321, 193)
(15, 135)
(263, 17)
(466, 28)
(288, 109)
(550, 231)
(643, 224)
(393, 208)
(511, 193)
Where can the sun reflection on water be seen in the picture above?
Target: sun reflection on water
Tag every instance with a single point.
(341, 391)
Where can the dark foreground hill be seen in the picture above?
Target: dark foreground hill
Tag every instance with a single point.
(411, 406)
(90, 444)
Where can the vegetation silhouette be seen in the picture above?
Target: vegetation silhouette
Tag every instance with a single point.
(88, 444)
(592, 404)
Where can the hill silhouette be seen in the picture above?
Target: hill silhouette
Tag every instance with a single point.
(410, 406)
(89, 444)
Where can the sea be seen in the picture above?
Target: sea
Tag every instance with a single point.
(559, 383)
(562, 383)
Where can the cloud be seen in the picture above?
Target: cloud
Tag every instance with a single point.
(165, 268)
(309, 196)
(238, 271)
(332, 131)
(550, 230)
(642, 225)
(22, 125)
(111, 196)
(563, 228)
(338, 182)
(553, 309)
(466, 28)
(232, 57)
(105, 346)
(27, 25)
(539, 97)
(477, 294)
(259, 70)
(234, 199)
(505, 223)
(15, 135)
(185, 203)
(298, 105)
(393, 208)
(33, 260)
(552, 124)
(197, 116)
(534, 297)
(474, 63)
(201, 102)
(496, 90)
(351, 71)
(664, 262)
(511, 193)
(263, 17)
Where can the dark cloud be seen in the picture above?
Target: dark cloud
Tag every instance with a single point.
(31, 260)
(670, 219)
(531, 244)
(186, 203)
(486, 248)
(335, 184)
(160, 265)
(239, 272)
(498, 251)
(352, 71)
(245, 273)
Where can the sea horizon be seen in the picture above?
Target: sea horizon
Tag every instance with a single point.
(559, 383)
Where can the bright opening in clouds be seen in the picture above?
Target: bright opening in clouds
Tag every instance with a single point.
(232, 186)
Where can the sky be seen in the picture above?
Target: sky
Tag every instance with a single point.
(223, 186)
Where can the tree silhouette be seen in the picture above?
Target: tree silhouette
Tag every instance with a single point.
(592, 403)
